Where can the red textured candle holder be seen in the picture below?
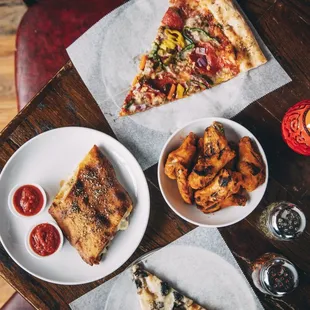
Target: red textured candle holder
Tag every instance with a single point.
(296, 127)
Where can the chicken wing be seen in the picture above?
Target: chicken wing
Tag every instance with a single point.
(214, 139)
(232, 164)
(207, 168)
(200, 148)
(251, 165)
(233, 200)
(185, 190)
(184, 155)
(216, 154)
(226, 183)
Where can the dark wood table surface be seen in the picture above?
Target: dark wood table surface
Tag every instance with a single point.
(65, 101)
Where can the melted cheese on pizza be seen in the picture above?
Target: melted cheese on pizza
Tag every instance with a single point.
(155, 294)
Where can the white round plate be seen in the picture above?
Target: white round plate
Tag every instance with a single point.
(169, 189)
(199, 274)
(48, 159)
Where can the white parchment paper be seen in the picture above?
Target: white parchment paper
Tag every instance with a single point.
(199, 264)
(107, 57)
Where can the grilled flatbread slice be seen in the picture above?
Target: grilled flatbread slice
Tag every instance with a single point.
(156, 294)
(92, 206)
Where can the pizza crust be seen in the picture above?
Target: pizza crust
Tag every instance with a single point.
(237, 31)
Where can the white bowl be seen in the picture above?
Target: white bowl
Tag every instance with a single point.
(169, 189)
(29, 248)
(11, 204)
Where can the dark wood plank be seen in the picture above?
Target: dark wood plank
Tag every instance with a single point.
(255, 9)
(302, 6)
(285, 29)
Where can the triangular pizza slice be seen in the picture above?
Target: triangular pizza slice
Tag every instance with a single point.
(199, 44)
(154, 293)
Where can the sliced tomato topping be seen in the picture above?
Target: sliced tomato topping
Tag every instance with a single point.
(206, 60)
(172, 19)
(163, 84)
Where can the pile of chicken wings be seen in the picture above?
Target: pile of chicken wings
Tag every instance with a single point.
(213, 172)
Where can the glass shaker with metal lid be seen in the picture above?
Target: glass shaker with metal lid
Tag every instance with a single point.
(274, 275)
(283, 221)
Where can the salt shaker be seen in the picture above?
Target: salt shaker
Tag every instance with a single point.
(283, 221)
(274, 275)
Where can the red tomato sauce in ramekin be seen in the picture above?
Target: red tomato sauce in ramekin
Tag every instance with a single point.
(44, 239)
(28, 200)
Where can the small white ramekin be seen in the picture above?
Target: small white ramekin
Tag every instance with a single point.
(28, 246)
(11, 204)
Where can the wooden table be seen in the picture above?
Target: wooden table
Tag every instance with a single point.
(65, 101)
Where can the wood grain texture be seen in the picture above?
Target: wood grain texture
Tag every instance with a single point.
(65, 101)
(6, 292)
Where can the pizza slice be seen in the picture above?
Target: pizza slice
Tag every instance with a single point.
(199, 44)
(157, 294)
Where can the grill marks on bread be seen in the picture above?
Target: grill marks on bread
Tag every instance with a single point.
(90, 206)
